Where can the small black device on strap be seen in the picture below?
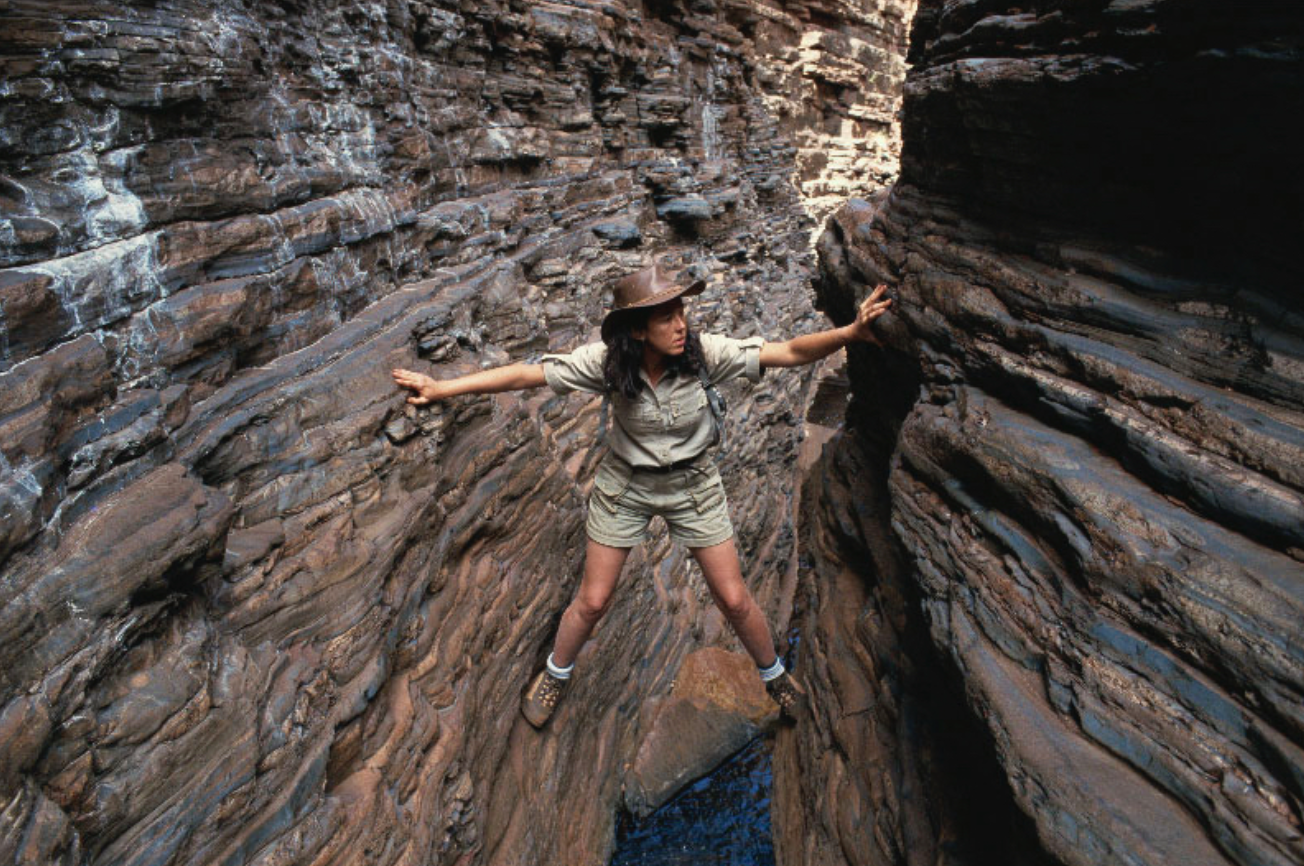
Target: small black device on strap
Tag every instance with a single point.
(718, 406)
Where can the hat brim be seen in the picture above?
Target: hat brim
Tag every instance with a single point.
(609, 321)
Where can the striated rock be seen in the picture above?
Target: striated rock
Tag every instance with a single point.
(1094, 486)
(834, 70)
(621, 233)
(689, 208)
(890, 768)
(259, 610)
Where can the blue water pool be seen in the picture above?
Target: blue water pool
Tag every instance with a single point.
(721, 820)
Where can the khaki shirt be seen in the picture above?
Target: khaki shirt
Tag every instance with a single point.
(670, 421)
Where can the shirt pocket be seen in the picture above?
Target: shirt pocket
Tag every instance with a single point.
(686, 411)
(640, 417)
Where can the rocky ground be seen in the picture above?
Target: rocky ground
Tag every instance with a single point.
(255, 609)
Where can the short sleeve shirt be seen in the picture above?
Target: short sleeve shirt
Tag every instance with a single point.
(668, 422)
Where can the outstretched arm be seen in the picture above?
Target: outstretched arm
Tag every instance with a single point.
(809, 348)
(512, 377)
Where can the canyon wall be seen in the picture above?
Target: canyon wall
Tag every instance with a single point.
(1075, 466)
(254, 608)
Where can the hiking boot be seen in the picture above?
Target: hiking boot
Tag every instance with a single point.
(787, 692)
(541, 698)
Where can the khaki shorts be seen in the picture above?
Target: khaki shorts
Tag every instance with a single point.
(691, 501)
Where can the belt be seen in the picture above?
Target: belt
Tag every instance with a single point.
(673, 467)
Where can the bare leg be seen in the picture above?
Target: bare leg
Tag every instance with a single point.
(602, 565)
(724, 577)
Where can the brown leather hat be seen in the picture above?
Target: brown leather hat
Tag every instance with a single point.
(646, 288)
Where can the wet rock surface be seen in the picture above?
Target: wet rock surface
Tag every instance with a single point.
(1085, 434)
(721, 818)
(255, 608)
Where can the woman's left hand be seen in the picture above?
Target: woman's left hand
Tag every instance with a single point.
(870, 309)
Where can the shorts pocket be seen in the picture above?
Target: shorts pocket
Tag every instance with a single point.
(708, 492)
(612, 478)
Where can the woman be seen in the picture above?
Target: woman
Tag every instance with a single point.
(656, 373)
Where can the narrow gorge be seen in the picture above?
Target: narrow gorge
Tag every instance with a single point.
(1039, 556)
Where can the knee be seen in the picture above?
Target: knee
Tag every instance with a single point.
(591, 606)
(736, 606)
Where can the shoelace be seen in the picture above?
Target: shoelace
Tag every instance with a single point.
(549, 691)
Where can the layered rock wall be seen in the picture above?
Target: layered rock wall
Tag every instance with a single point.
(254, 608)
(839, 92)
(1088, 426)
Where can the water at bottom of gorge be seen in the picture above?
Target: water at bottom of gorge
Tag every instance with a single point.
(723, 819)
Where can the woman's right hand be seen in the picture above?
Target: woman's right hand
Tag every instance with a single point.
(427, 389)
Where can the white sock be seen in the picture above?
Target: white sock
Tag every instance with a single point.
(559, 673)
(773, 672)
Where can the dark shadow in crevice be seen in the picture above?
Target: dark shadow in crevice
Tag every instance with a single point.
(966, 799)
(953, 791)
(724, 817)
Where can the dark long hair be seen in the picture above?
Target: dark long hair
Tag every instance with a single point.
(625, 356)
